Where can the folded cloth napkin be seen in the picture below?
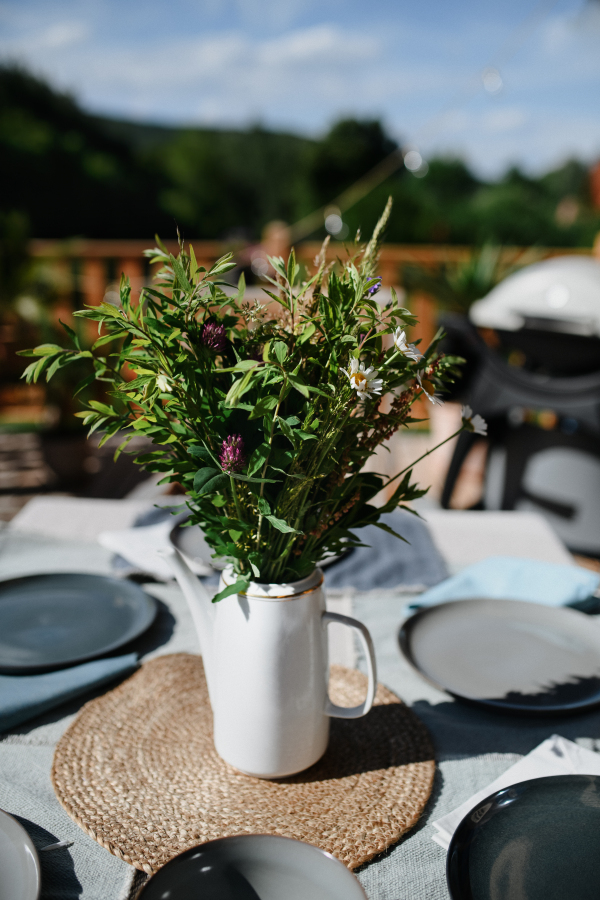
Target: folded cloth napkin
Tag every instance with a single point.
(555, 756)
(24, 696)
(411, 564)
(138, 548)
(515, 578)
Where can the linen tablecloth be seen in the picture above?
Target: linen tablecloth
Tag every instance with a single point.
(85, 871)
(472, 747)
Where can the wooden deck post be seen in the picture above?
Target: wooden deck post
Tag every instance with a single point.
(93, 281)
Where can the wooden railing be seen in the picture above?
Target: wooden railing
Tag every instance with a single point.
(102, 261)
(92, 268)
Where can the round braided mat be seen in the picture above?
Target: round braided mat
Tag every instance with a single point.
(138, 771)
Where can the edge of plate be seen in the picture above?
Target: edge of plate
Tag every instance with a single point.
(34, 853)
(403, 638)
(151, 602)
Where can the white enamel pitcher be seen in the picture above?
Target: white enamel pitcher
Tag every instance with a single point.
(266, 664)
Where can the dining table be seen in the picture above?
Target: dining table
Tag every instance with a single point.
(472, 746)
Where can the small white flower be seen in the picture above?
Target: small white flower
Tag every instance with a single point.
(477, 423)
(429, 390)
(408, 350)
(364, 381)
(162, 383)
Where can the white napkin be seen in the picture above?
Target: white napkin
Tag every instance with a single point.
(555, 756)
(140, 546)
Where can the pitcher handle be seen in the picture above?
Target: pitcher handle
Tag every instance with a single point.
(355, 712)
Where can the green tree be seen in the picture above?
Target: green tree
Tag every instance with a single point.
(350, 150)
(221, 181)
(72, 174)
(60, 168)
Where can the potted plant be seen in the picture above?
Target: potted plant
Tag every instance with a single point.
(266, 414)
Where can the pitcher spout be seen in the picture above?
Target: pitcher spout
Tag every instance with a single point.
(200, 606)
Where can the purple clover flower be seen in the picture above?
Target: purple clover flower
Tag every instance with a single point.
(374, 288)
(213, 336)
(232, 456)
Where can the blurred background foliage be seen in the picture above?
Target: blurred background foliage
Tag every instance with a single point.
(65, 173)
(457, 285)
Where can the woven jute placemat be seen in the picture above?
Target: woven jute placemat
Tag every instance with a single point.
(137, 770)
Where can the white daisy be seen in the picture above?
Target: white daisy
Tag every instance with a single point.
(162, 383)
(429, 390)
(364, 381)
(477, 423)
(408, 350)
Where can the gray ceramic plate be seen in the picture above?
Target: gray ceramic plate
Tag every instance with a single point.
(19, 864)
(254, 867)
(537, 840)
(49, 621)
(508, 654)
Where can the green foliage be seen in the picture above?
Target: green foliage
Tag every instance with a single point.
(257, 411)
(523, 211)
(71, 173)
(220, 182)
(62, 170)
(457, 285)
(29, 290)
(450, 205)
(346, 153)
(14, 259)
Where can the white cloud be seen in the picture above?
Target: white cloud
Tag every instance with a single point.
(456, 120)
(543, 142)
(275, 14)
(301, 64)
(226, 77)
(325, 43)
(57, 36)
(507, 118)
(570, 30)
(215, 58)
(63, 34)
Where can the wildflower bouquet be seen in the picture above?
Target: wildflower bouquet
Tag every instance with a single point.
(266, 414)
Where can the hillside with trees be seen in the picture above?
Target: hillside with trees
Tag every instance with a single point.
(65, 173)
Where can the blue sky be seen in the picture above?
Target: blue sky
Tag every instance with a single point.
(299, 65)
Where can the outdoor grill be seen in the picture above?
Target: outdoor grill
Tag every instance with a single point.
(533, 350)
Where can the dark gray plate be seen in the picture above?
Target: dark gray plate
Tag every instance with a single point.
(49, 621)
(508, 655)
(537, 840)
(254, 867)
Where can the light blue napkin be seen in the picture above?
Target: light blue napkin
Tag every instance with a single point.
(24, 696)
(515, 578)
